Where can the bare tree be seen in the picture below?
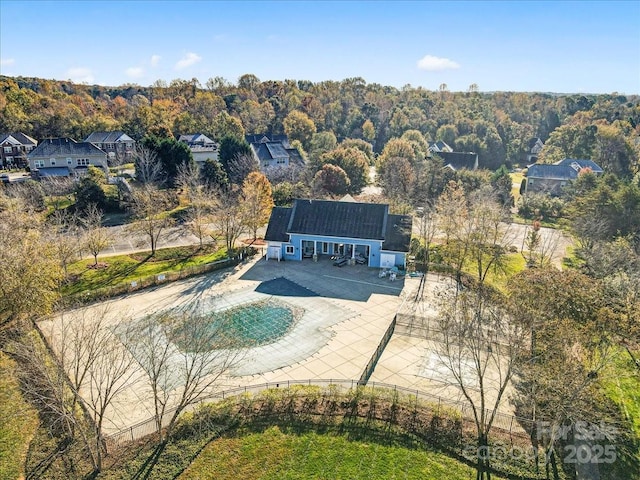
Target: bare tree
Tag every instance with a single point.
(241, 166)
(147, 164)
(89, 369)
(428, 226)
(488, 234)
(198, 219)
(188, 179)
(149, 206)
(64, 237)
(538, 249)
(110, 373)
(96, 237)
(476, 234)
(59, 190)
(480, 347)
(227, 218)
(185, 354)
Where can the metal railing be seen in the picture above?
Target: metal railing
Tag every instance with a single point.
(516, 427)
(368, 370)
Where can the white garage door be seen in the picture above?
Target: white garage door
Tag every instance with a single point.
(274, 252)
(387, 260)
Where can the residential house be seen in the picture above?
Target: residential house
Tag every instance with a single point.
(534, 148)
(14, 148)
(324, 228)
(273, 151)
(64, 157)
(459, 160)
(202, 147)
(439, 146)
(552, 178)
(454, 160)
(118, 146)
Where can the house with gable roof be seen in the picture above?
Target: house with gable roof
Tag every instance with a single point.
(439, 147)
(454, 160)
(324, 228)
(14, 148)
(534, 148)
(64, 157)
(202, 147)
(553, 178)
(273, 151)
(117, 145)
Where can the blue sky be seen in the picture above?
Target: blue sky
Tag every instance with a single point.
(542, 46)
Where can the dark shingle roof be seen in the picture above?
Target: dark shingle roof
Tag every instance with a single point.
(18, 137)
(338, 219)
(369, 221)
(65, 146)
(294, 156)
(397, 238)
(566, 169)
(259, 138)
(460, 160)
(276, 150)
(196, 139)
(277, 228)
(541, 170)
(440, 146)
(108, 137)
(581, 163)
(533, 141)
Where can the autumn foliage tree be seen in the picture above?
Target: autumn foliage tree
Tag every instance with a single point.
(330, 179)
(355, 164)
(257, 201)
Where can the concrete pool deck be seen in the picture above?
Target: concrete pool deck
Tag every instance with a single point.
(350, 312)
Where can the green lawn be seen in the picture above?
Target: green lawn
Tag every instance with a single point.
(622, 384)
(126, 268)
(276, 455)
(516, 180)
(18, 422)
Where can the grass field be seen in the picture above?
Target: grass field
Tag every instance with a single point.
(516, 180)
(18, 422)
(621, 383)
(273, 454)
(119, 269)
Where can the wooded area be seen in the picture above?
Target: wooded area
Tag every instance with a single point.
(497, 126)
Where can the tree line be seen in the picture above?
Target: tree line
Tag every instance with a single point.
(497, 126)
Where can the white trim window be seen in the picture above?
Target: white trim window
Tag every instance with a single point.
(288, 249)
(69, 161)
(52, 162)
(82, 162)
(8, 149)
(38, 163)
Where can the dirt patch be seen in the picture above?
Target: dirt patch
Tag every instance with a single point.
(98, 266)
(256, 243)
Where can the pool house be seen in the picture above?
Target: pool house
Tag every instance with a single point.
(363, 233)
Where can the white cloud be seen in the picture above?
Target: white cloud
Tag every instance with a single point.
(5, 62)
(436, 64)
(80, 75)
(134, 72)
(188, 60)
(155, 60)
